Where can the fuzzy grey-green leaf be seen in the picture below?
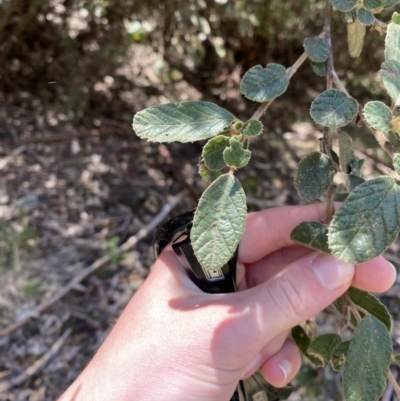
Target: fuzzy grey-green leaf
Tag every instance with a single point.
(371, 304)
(311, 234)
(396, 162)
(373, 4)
(324, 345)
(339, 355)
(365, 16)
(213, 151)
(316, 49)
(319, 68)
(218, 222)
(235, 156)
(392, 42)
(314, 176)
(390, 73)
(389, 3)
(182, 121)
(333, 108)
(344, 5)
(378, 116)
(262, 84)
(251, 128)
(367, 222)
(367, 361)
(346, 151)
(209, 175)
(302, 341)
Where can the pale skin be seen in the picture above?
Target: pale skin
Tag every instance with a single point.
(174, 342)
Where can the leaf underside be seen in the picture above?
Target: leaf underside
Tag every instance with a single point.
(182, 122)
(390, 73)
(219, 221)
(378, 116)
(367, 222)
(392, 42)
(355, 38)
(371, 304)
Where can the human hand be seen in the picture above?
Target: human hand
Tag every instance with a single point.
(174, 342)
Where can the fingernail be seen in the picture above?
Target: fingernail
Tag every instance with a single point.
(394, 268)
(331, 272)
(285, 367)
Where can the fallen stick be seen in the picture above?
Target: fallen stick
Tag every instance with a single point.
(38, 365)
(126, 246)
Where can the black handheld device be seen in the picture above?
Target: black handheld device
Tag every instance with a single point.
(223, 280)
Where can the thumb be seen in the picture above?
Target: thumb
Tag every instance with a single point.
(295, 294)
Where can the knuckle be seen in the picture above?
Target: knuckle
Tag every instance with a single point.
(289, 298)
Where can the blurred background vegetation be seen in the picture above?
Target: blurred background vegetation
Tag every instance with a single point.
(75, 180)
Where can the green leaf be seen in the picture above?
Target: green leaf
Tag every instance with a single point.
(373, 4)
(396, 162)
(213, 150)
(353, 181)
(263, 84)
(344, 5)
(235, 156)
(396, 17)
(333, 108)
(324, 345)
(355, 38)
(390, 73)
(367, 361)
(183, 122)
(255, 384)
(209, 175)
(396, 358)
(346, 152)
(302, 340)
(339, 355)
(251, 128)
(392, 42)
(355, 167)
(365, 16)
(389, 3)
(367, 222)
(316, 49)
(314, 176)
(319, 68)
(371, 304)
(378, 116)
(218, 222)
(311, 234)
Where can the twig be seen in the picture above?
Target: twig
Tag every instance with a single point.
(338, 83)
(38, 365)
(290, 72)
(395, 385)
(7, 159)
(128, 245)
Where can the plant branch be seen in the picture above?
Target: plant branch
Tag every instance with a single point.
(338, 83)
(394, 383)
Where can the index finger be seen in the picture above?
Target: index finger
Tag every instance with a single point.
(269, 230)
